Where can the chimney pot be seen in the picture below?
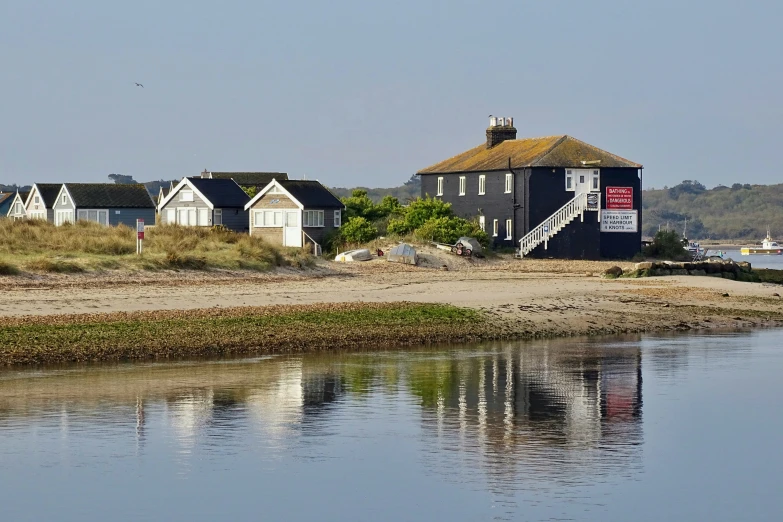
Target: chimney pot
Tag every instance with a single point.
(500, 130)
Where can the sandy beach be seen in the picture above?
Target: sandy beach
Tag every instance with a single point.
(528, 298)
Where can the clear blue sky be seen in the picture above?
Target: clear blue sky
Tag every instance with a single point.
(366, 93)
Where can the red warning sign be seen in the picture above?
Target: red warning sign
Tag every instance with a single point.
(619, 198)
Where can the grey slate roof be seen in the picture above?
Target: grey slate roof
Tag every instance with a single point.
(6, 195)
(48, 192)
(23, 195)
(311, 193)
(251, 179)
(110, 195)
(222, 193)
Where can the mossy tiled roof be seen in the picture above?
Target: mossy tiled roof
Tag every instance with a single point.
(549, 151)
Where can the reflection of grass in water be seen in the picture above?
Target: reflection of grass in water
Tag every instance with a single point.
(140, 335)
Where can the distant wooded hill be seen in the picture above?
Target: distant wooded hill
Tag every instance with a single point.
(742, 211)
(736, 212)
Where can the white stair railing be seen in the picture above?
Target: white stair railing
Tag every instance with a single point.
(553, 224)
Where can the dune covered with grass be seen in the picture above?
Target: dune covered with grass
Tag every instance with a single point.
(39, 246)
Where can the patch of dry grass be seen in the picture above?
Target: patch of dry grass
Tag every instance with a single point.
(39, 246)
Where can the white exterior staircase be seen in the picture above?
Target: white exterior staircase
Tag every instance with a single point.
(553, 224)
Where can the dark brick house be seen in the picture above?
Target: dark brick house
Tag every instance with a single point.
(554, 196)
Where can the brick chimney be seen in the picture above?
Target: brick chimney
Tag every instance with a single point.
(500, 130)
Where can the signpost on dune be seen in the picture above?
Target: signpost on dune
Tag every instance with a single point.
(139, 235)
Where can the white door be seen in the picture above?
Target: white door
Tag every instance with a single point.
(192, 217)
(581, 181)
(203, 217)
(63, 216)
(292, 233)
(171, 216)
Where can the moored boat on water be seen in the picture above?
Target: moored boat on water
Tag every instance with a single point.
(768, 247)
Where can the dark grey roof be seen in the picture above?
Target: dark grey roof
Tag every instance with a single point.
(48, 192)
(6, 195)
(311, 193)
(23, 195)
(221, 192)
(251, 179)
(110, 195)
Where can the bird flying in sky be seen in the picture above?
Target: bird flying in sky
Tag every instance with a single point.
(138, 85)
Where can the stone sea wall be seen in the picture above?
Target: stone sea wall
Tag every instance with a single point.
(726, 269)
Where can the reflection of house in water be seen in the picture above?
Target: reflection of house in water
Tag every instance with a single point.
(542, 407)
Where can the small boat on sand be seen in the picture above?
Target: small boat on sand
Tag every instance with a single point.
(361, 254)
(403, 253)
(768, 247)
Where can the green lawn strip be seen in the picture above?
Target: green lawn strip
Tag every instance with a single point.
(92, 339)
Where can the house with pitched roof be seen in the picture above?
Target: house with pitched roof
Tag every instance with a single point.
(5, 202)
(16, 209)
(40, 200)
(294, 212)
(205, 202)
(256, 180)
(104, 203)
(553, 196)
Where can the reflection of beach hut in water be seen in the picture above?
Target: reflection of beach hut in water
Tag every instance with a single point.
(403, 253)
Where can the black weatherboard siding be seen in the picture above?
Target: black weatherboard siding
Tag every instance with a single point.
(538, 167)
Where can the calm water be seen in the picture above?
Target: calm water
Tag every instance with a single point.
(756, 261)
(678, 428)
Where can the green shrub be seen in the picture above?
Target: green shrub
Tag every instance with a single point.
(449, 230)
(417, 213)
(358, 230)
(667, 245)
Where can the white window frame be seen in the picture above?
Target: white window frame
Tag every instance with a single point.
(462, 183)
(440, 186)
(186, 195)
(84, 214)
(482, 185)
(508, 229)
(37, 200)
(313, 218)
(259, 218)
(217, 219)
(483, 223)
(570, 186)
(509, 183)
(338, 218)
(65, 199)
(171, 216)
(595, 181)
(495, 225)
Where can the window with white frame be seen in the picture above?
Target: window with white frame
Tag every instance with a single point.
(313, 218)
(18, 208)
(186, 195)
(96, 216)
(217, 219)
(508, 229)
(440, 187)
(595, 181)
(462, 185)
(509, 182)
(37, 200)
(495, 228)
(482, 185)
(267, 218)
(338, 218)
(569, 181)
(483, 223)
(65, 198)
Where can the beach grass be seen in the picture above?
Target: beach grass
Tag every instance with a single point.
(245, 330)
(39, 246)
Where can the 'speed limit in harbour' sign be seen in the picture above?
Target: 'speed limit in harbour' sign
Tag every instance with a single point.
(619, 221)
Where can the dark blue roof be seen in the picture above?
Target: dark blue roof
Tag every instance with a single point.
(311, 193)
(222, 193)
